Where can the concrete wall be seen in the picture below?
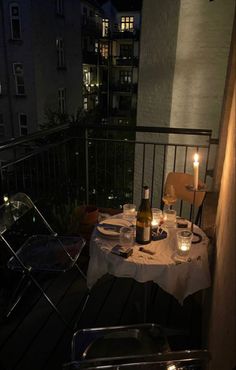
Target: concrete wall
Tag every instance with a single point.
(183, 61)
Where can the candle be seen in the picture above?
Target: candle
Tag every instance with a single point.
(195, 171)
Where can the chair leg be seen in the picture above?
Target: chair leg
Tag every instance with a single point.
(19, 292)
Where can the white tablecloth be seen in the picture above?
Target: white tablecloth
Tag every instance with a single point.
(178, 279)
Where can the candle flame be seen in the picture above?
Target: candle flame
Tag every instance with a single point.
(196, 157)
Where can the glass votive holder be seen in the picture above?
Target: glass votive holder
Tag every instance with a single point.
(184, 240)
(156, 217)
(129, 212)
(169, 217)
(127, 236)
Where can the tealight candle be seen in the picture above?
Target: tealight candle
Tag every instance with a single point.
(195, 171)
(156, 217)
(184, 240)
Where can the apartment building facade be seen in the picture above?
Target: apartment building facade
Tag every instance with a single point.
(111, 77)
(40, 63)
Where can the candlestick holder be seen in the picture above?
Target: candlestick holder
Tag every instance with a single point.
(197, 237)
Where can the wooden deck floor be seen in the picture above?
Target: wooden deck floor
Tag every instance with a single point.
(34, 338)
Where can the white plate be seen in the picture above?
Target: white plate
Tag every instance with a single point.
(112, 221)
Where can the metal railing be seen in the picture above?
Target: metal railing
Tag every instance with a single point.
(103, 165)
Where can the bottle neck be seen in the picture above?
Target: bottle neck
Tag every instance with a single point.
(146, 193)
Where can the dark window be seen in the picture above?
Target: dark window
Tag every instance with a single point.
(60, 53)
(60, 7)
(15, 21)
(2, 128)
(62, 100)
(23, 126)
(19, 78)
(125, 103)
(126, 50)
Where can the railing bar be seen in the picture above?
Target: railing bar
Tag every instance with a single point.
(147, 142)
(143, 166)
(174, 165)
(86, 167)
(153, 171)
(207, 160)
(185, 158)
(163, 175)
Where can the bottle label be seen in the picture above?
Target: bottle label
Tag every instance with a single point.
(143, 233)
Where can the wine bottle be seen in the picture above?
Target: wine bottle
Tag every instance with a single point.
(144, 219)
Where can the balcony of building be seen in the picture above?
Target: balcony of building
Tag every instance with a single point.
(105, 166)
(125, 35)
(123, 61)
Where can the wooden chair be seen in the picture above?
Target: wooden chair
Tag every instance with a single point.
(179, 180)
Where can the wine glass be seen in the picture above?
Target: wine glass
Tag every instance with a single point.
(169, 196)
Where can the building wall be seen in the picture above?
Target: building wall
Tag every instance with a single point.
(222, 332)
(183, 61)
(48, 77)
(37, 52)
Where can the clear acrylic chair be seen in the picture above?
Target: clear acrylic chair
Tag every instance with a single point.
(39, 253)
(141, 346)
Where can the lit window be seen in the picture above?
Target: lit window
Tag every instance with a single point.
(60, 7)
(105, 27)
(2, 127)
(23, 126)
(96, 47)
(60, 53)
(15, 21)
(19, 78)
(96, 100)
(125, 77)
(85, 103)
(62, 100)
(127, 23)
(104, 50)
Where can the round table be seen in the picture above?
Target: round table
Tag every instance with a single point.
(178, 278)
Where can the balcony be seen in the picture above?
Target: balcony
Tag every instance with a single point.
(134, 35)
(130, 61)
(86, 163)
(106, 166)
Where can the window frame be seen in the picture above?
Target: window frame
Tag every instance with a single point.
(126, 50)
(2, 126)
(124, 76)
(60, 48)
(21, 125)
(60, 8)
(18, 76)
(62, 100)
(15, 18)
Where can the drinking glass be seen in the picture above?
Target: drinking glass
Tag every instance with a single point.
(156, 218)
(129, 212)
(169, 217)
(169, 196)
(184, 240)
(127, 236)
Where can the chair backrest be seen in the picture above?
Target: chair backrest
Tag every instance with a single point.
(14, 208)
(179, 180)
